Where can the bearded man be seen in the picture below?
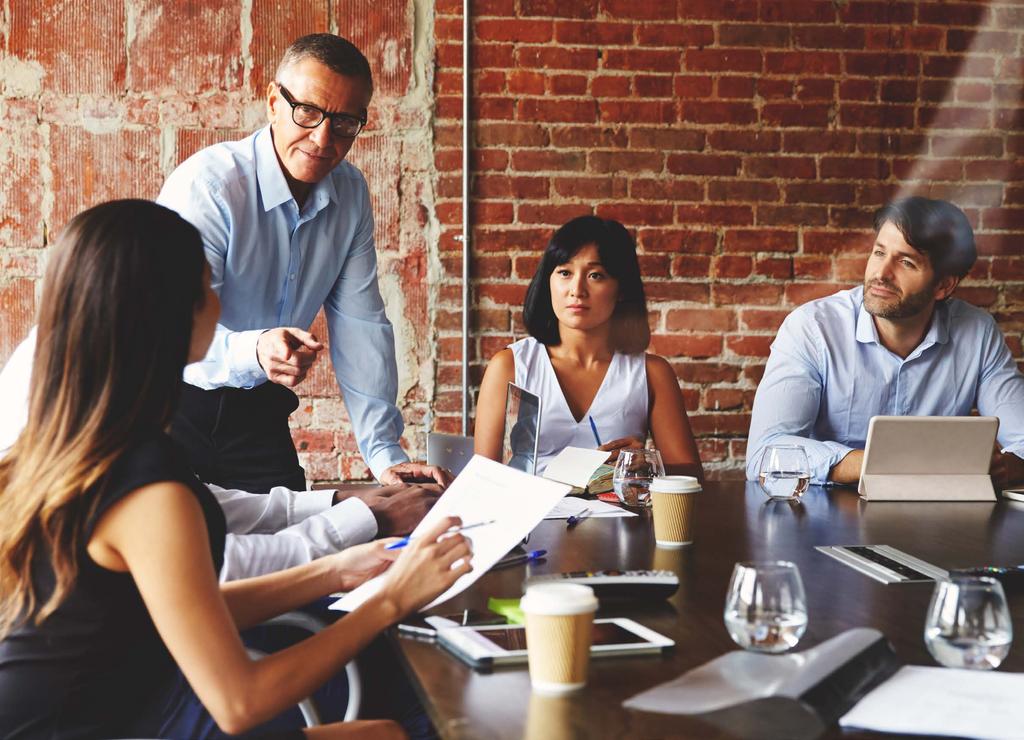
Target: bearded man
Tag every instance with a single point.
(899, 345)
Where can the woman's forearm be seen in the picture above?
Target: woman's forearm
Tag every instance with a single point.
(254, 600)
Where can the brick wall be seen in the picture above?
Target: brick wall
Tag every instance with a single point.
(747, 143)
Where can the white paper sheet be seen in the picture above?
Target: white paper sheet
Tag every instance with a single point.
(575, 466)
(485, 490)
(574, 506)
(944, 701)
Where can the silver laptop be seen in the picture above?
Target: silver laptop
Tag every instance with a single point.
(928, 458)
(522, 423)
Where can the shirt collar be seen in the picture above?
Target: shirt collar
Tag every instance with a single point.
(273, 185)
(938, 330)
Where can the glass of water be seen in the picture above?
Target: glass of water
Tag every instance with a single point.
(634, 471)
(766, 609)
(785, 472)
(968, 624)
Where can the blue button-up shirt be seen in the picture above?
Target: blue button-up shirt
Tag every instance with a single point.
(828, 374)
(275, 265)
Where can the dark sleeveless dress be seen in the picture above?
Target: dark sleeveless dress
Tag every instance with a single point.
(97, 668)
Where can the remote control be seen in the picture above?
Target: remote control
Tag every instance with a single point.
(618, 584)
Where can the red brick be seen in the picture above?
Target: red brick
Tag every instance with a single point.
(709, 112)
(517, 31)
(567, 84)
(676, 35)
(757, 35)
(721, 60)
(801, 62)
(735, 86)
(780, 268)
(526, 82)
(676, 290)
(625, 161)
(700, 320)
(502, 293)
(21, 216)
(666, 189)
(17, 312)
(725, 399)
(733, 266)
(555, 215)
(559, 8)
(742, 190)
(818, 268)
(808, 11)
(981, 41)
(796, 114)
(161, 57)
(549, 57)
(714, 214)
(80, 46)
(819, 192)
(695, 242)
(947, 117)
(876, 12)
(798, 293)
(639, 11)
(706, 372)
(725, 10)
(610, 86)
(693, 86)
(729, 423)
(637, 111)
(703, 164)
(687, 345)
(750, 345)
(549, 160)
(590, 188)
(688, 265)
(890, 143)
(876, 116)
(580, 111)
(632, 214)
(816, 89)
(653, 86)
(1003, 218)
(745, 141)
(758, 294)
(846, 168)
(857, 89)
(792, 215)
(898, 91)
(958, 66)
(851, 268)
(762, 318)
(589, 137)
(591, 32)
(759, 240)
(783, 167)
(666, 139)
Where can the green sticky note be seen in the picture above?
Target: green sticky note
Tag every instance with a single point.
(508, 608)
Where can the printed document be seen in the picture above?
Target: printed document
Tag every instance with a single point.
(484, 491)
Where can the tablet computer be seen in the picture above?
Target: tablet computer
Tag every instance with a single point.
(928, 458)
(485, 647)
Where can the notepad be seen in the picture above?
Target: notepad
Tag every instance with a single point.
(575, 466)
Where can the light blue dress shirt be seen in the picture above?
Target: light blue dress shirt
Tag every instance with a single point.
(828, 374)
(274, 265)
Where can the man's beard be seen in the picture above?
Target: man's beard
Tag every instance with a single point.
(902, 307)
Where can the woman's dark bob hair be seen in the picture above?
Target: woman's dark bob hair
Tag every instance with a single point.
(630, 332)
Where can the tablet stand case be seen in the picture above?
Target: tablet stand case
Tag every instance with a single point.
(796, 696)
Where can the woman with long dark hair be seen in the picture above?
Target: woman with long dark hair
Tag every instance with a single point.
(586, 356)
(110, 547)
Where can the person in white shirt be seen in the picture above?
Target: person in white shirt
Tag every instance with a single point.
(266, 533)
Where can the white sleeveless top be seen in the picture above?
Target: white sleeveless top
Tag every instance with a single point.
(619, 408)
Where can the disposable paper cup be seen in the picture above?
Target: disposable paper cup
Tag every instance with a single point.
(673, 498)
(559, 622)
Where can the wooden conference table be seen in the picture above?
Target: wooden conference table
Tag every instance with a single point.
(734, 521)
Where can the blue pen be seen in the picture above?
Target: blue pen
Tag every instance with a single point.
(406, 540)
(593, 428)
(577, 518)
(521, 559)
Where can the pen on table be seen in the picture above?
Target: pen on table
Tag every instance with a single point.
(577, 518)
(593, 428)
(527, 558)
(406, 540)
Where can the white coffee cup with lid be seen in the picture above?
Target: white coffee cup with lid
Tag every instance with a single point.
(673, 498)
(559, 623)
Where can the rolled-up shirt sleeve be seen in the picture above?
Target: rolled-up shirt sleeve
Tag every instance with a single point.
(1001, 391)
(363, 353)
(788, 400)
(231, 359)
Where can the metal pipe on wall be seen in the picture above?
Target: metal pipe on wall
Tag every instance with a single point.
(466, 85)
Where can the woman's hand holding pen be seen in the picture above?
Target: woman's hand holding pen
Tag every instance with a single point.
(623, 443)
(427, 567)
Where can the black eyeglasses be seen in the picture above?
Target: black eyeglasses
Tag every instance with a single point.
(309, 116)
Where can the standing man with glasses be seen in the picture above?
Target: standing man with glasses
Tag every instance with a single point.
(288, 228)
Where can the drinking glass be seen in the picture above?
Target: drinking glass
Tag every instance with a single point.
(968, 624)
(634, 471)
(766, 610)
(785, 472)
